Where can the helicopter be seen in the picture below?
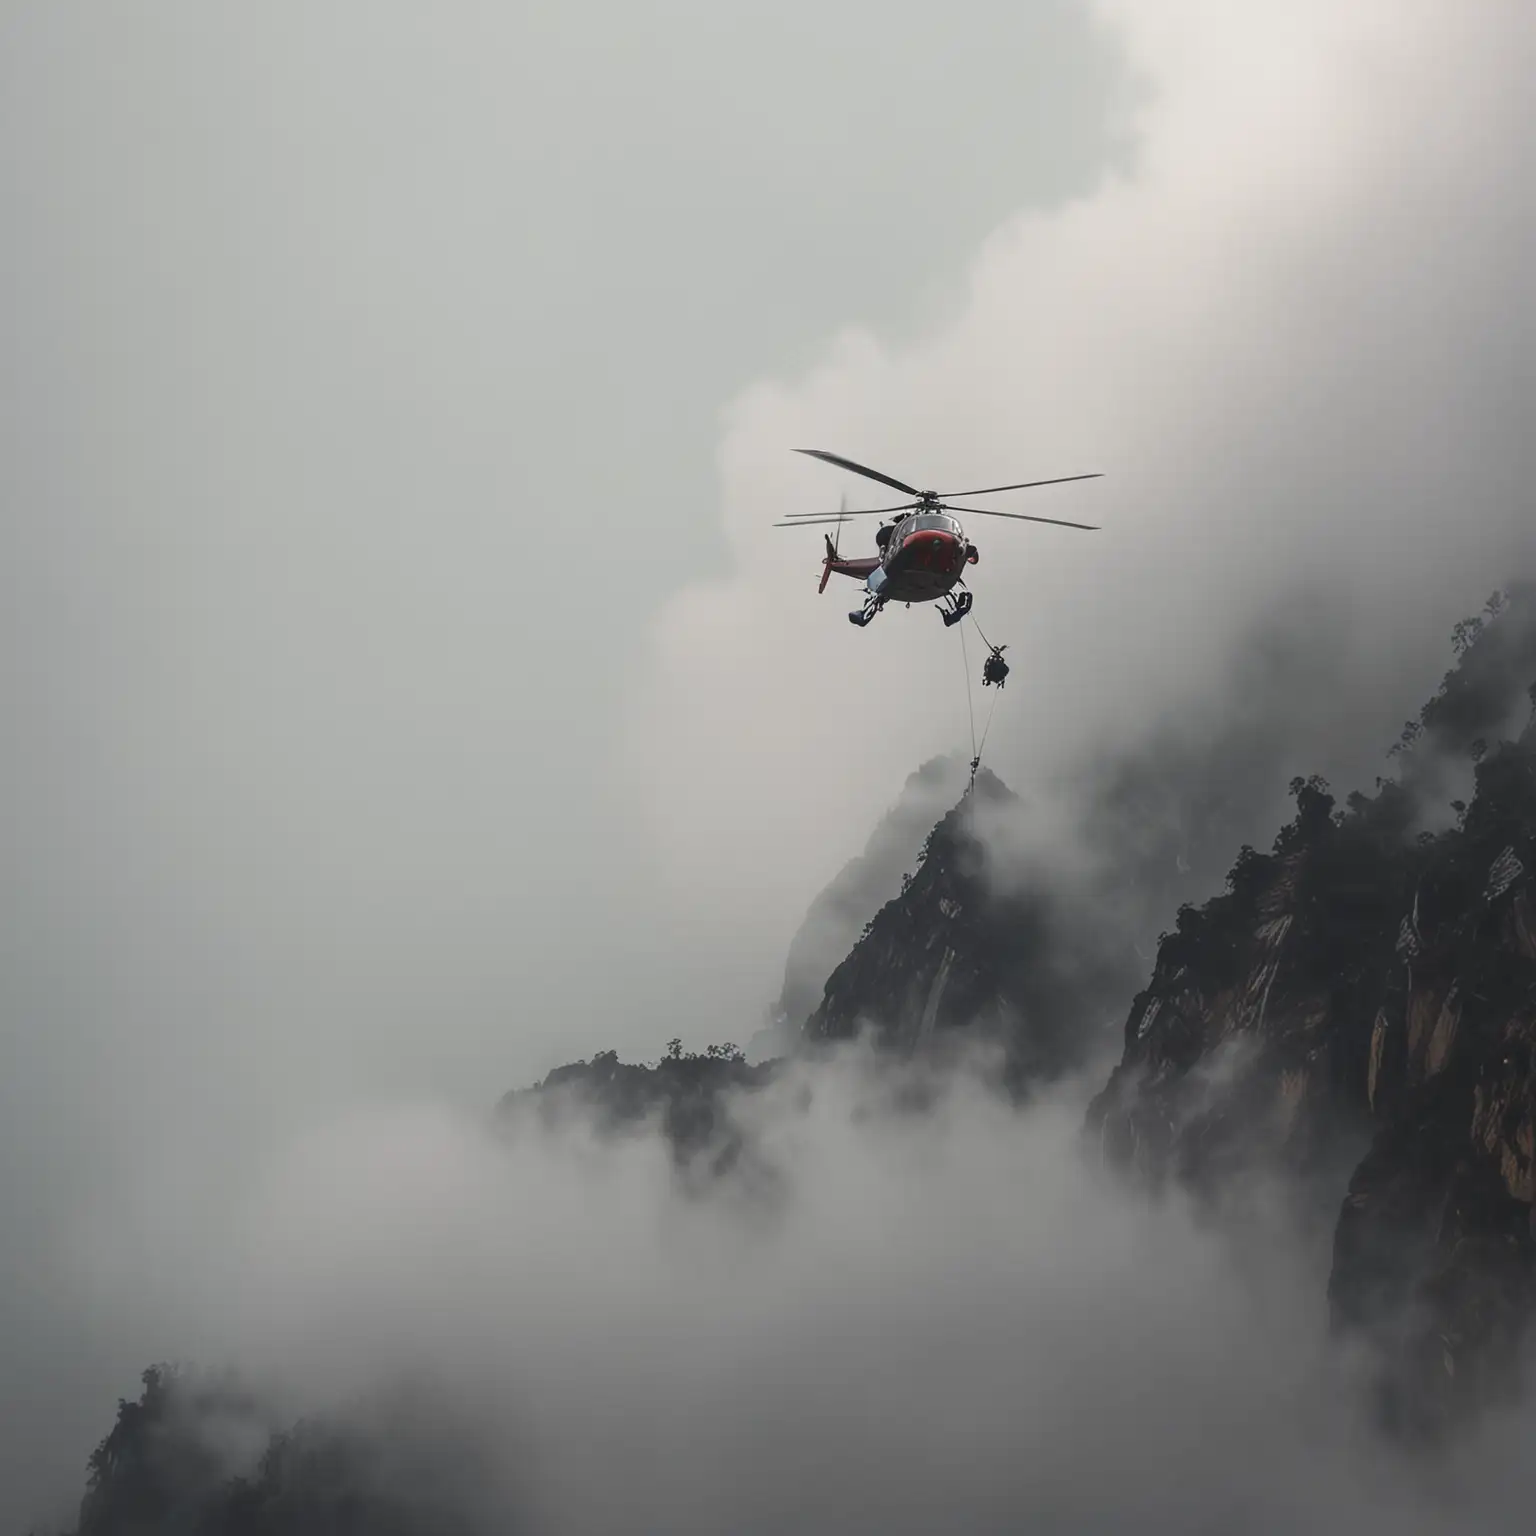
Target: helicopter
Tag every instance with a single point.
(923, 552)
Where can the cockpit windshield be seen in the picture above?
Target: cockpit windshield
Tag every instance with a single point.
(934, 521)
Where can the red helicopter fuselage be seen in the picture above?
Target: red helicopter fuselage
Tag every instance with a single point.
(922, 558)
(924, 554)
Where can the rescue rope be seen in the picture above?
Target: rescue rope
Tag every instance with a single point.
(969, 707)
(988, 726)
(976, 748)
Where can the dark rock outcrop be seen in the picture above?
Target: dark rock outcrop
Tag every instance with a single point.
(402, 1464)
(953, 952)
(863, 886)
(1434, 1244)
(1364, 997)
(1250, 1041)
(684, 1095)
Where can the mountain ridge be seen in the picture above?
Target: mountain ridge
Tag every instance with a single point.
(1355, 1013)
(1359, 1009)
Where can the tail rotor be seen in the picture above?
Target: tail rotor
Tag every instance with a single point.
(832, 545)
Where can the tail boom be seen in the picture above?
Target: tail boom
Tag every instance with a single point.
(858, 569)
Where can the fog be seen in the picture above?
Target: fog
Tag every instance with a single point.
(361, 392)
(889, 1322)
(1294, 341)
(406, 689)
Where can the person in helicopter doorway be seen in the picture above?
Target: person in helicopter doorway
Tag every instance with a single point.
(996, 669)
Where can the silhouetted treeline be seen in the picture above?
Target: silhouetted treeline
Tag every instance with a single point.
(170, 1466)
(1359, 1011)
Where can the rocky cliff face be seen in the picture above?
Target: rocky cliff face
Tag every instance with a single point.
(952, 952)
(1356, 1011)
(1364, 998)
(862, 887)
(931, 954)
(1434, 1243)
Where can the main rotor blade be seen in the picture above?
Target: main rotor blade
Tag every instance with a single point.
(860, 469)
(805, 522)
(810, 517)
(991, 490)
(1023, 517)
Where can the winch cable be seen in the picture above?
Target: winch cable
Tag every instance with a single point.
(988, 726)
(970, 709)
(976, 748)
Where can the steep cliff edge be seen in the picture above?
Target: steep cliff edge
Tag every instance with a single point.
(1365, 997)
(850, 900)
(955, 951)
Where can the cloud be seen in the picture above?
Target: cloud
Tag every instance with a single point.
(1296, 341)
(947, 1318)
(1296, 338)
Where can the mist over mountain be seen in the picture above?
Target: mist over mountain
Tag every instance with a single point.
(424, 754)
(1361, 998)
(1289, 1228)
(845, 907)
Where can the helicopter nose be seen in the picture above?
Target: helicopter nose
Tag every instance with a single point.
(933, 549)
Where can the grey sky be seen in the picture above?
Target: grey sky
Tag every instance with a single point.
(333, 329)
(947, 1321)
(362, 391)
(1296, 341)
(359, 402)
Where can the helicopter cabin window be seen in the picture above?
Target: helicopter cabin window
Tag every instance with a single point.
(935, 521)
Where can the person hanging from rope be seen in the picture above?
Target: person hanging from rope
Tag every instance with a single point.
(995, 669)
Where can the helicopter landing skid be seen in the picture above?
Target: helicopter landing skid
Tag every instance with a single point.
(959, 604)
(872, 606)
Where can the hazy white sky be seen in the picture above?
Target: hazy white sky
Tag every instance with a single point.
(1295, 340)
(404, 688)
(362, 391)
(360, 402)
